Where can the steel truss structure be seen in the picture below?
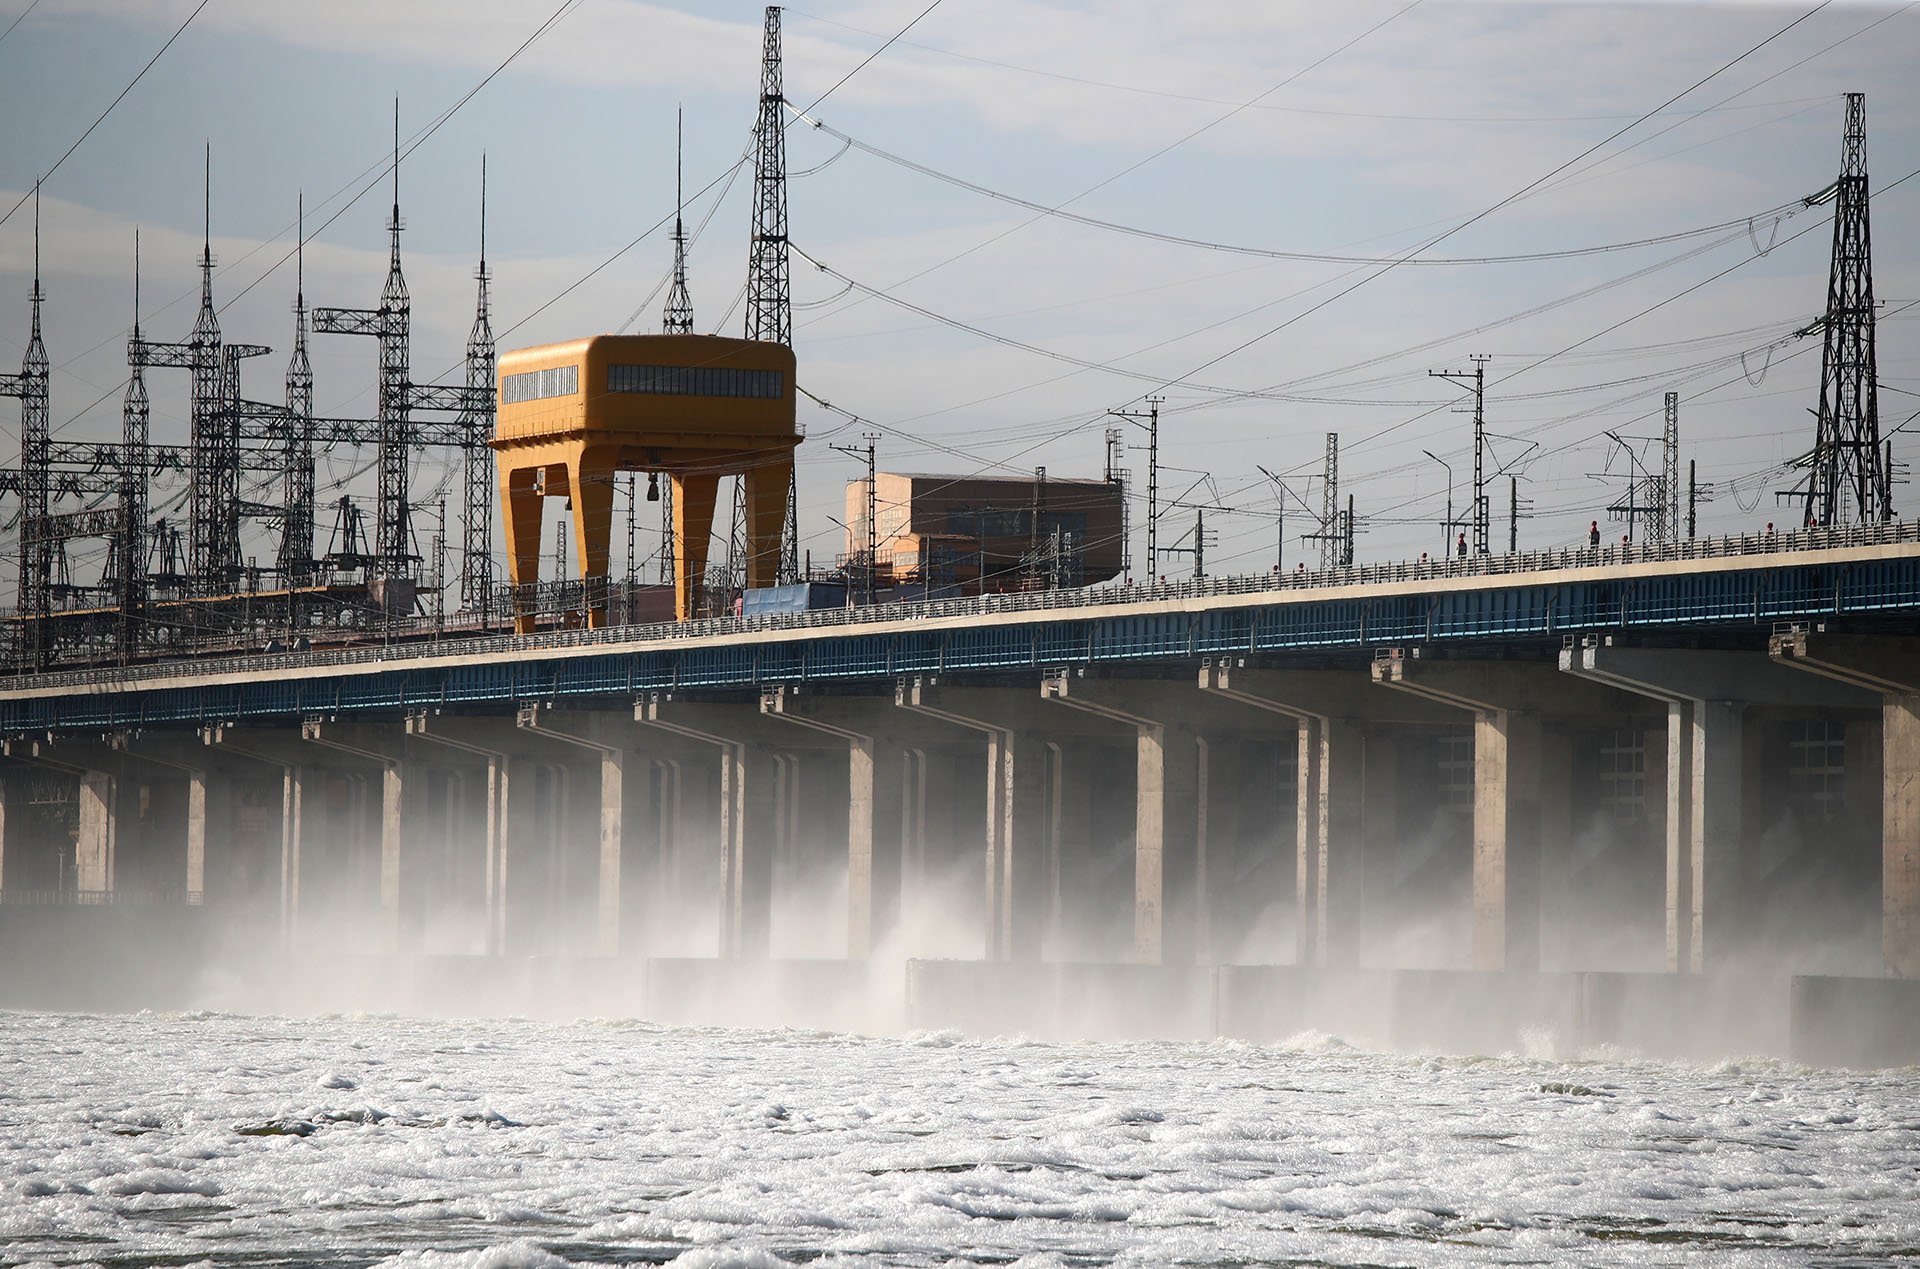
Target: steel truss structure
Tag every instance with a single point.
(153, 598)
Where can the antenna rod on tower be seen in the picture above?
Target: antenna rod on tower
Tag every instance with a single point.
(678, 318)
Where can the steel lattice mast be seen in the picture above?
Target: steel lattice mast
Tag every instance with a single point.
(393, 541)
(769, 297)
(30, 386)
(297, 525)
(1669, 518)
(213, 528)
(213, 450)
(769, 290)
(678, 317)
(475, 422)
(1850, 480)
(134, 432)
(389, 326)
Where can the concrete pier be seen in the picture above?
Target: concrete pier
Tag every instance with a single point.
(1335, 716)
(1707, 694)
(1516, 796)
(627, 824)
(1014, 726)
(1888, 669)
(749, 746)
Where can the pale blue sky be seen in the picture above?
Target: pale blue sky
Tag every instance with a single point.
(1443, 111)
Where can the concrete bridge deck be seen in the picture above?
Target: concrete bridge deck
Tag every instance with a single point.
(1732, 586)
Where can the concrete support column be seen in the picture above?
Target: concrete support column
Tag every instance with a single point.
(13, 822)
(1016, 897)
(626, 794)
(1506, 840)
(1885, 667)
(1707, 695)
(384, 752)
(750, 747)
(1167, 721)
(392, 837)
(1069, 842)
(749, 778)
(1222, 771)
(511, 908)
(1719, 768)
(209, 820)
(875, 784)
(93, 854)
(1338, 868)
(1556, 838)
(1166, 859)
(1378, 842)
(1900, 829)
(1017, 728)
(1679, 831)
(934, 800)
(1329, 710)
(1511, 782)
(1309, 836)
(293, 810)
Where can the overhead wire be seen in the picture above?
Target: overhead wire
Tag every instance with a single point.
(416, 141)
(1059, 212)
(120, 97)
(17, 21)
(1139, 163)
(1145, 91)
(1441, 237)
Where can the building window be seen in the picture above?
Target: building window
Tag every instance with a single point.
(1817, 768)
(1456, 769)
(1623, 775)
(538, 385)
(698, 381)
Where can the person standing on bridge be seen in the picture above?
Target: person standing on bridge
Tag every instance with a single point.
(1462, 547)
(1593, 535)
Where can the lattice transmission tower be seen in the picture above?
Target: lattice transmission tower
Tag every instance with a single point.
(1850, 478)
(389, 326)
(30, 386)
(297, 480)
(769, 287)
(474, 423)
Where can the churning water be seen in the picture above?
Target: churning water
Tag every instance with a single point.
(182, 1138)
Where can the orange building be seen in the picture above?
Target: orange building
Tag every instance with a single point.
(695, 407)
(985, 531)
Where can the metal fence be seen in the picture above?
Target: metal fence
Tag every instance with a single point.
(423, 641)
(16, 898)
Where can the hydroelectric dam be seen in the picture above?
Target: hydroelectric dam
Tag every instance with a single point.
(1665, 797)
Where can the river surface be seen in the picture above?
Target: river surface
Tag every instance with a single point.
(175, 1139)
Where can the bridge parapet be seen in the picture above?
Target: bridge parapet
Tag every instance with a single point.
(1452, 576)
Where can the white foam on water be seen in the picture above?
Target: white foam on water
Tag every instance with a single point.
(439, 1144)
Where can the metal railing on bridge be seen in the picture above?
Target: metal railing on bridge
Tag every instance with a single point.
(421, 640)
(16, 898)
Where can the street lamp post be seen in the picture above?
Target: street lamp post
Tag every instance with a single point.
(1446, 530)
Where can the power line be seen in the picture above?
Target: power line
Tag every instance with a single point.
(1058, 209)
(869, 57)
(48, 174)
(413, 143)
(1140, 90)
(1059, 212)
(17, 21)
(1490, 210)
